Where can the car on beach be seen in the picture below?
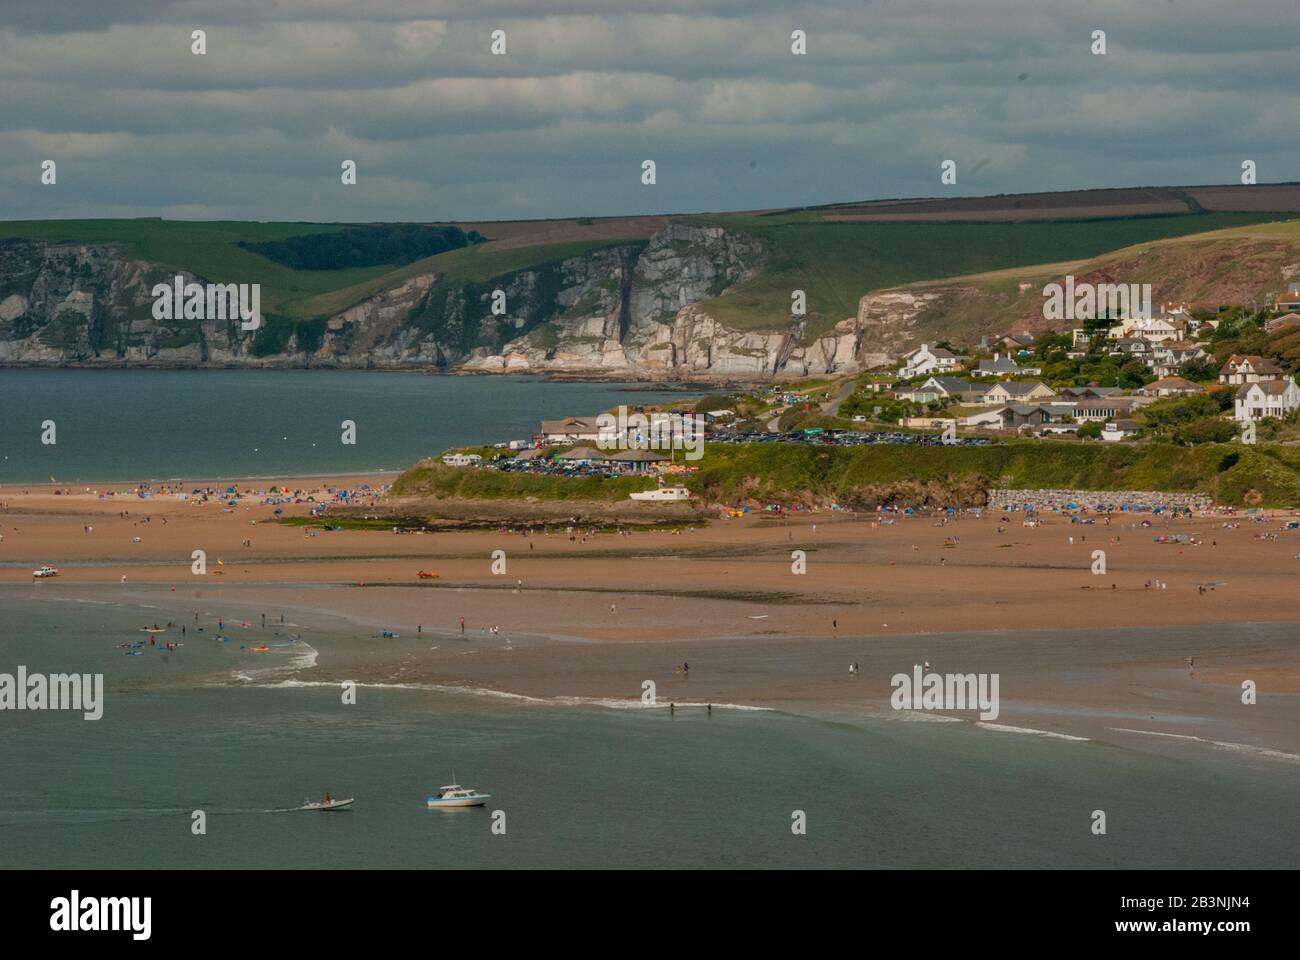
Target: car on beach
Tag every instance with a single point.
(45, 570)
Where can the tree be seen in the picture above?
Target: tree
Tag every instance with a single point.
(1088, 431)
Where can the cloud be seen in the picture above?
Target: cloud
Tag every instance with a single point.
(709, 89)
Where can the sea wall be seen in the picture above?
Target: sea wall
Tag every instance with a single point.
(1095, 499)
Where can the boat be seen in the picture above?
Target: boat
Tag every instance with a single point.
(663, 494)
(454, 795)
(327, 804)
(153, 629)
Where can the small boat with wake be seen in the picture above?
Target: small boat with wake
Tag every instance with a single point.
(329, 803)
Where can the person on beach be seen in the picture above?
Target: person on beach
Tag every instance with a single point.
(462, 626)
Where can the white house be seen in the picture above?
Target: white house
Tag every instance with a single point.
(1266, 398)
(926, 359)
(1248, 369)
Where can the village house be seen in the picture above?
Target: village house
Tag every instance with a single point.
(569, 430)
(1018, 391)
(1286, 320)
(1171, 387)
(1131, 347)
(945, 388)
(1266, 398)
(1289, 300)
(1168, 358)
(1152, 330)
(1001, 366)
(1237, 370)
(928, 360)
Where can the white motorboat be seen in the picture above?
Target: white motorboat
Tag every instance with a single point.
(663, 494)
(454, 795)
(329, 804)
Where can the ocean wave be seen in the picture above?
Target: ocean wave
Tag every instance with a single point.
(609, 703)
(1005, 728)
(1217, 744)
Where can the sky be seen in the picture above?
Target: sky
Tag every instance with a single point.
(441, 128)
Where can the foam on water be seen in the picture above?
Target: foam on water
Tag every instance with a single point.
(1217, 744)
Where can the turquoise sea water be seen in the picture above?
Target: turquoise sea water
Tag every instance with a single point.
(579, 786)
(160, 424)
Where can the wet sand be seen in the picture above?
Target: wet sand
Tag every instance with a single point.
(596, 615)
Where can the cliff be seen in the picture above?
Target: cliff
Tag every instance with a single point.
(623, 310)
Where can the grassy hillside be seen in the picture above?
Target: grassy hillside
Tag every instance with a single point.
(835, 263)
(866, 476)
(210, 250)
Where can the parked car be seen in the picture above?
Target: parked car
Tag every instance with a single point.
(45, 571)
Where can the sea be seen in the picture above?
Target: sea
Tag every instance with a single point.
(128, 425)
(204, 753)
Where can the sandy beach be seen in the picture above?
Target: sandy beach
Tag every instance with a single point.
(593, 614)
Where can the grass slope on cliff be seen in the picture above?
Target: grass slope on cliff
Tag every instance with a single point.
(1265, 475)
(835, 263)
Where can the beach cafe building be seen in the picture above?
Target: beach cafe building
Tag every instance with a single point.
(625, 461)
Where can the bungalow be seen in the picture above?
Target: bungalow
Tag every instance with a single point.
(1104, 409)
(1266, 398)
(1090, 392)
(1034, 416)
(1018, 343)
(583, 455)
(1248, 369)
(926, 359)
(638, 461)
(570, 430)
(1018, 391)
(945, 388)
(1171, 387)
(1001, 366)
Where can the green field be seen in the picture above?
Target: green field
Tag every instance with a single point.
(208, 249)
(836, 263)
